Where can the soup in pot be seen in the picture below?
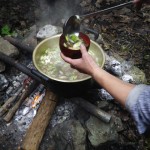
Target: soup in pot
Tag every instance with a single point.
(51, 63)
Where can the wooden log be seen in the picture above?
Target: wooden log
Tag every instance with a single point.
(8, 104)
(38, 126)
(4, 107)
(25, 94)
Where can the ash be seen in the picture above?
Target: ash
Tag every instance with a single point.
(11, 133)
(119, 69)
(28, 110)
(64, 111)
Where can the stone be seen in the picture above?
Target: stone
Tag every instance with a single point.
(30, 37)
(100, 132)
(2, 67)
(136, 75)
(103, 104)
(69, 135)
(48, 31)
(118, 123)
(8, 49)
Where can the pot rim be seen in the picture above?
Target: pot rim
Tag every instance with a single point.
(61, 80)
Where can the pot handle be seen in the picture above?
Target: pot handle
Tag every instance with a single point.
(37, 73)
(96, 33)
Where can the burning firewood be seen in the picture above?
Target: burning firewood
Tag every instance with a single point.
(37, 129)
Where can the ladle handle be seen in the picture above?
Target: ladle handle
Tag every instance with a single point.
(96, 33)
(106, 10)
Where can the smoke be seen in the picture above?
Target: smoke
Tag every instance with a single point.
(54, 11)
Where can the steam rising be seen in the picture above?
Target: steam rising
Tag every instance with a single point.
(55, 11)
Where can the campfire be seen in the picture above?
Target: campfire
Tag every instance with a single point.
(34, 116)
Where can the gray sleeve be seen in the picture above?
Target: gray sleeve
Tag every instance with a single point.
(138, 104)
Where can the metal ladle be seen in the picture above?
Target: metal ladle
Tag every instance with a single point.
(72, 25)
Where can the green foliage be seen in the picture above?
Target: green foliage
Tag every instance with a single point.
(6, 30)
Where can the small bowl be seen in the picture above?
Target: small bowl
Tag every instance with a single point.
(74, 54)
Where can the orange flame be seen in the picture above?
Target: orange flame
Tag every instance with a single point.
(34, 102)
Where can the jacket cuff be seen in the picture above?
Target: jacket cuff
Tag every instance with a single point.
(133, 96)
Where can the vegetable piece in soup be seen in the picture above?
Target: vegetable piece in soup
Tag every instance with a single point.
(73, 41)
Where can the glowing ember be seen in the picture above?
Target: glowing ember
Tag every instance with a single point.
(38, 98)
(35, 101)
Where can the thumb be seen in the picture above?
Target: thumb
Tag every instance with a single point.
(66, 59)
(83, 49)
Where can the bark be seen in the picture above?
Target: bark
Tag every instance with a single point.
(37, 129)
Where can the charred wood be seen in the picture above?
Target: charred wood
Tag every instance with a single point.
(9, 103)
(25, 94)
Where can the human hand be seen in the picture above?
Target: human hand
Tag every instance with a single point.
(85, 64)
(138, 3)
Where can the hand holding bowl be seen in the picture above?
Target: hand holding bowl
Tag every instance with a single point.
(70, 51)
